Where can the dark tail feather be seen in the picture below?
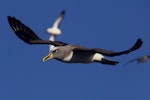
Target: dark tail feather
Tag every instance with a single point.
(106, 61)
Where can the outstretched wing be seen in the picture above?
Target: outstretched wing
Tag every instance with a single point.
(27, 35)
(136, 46)
(59, 19)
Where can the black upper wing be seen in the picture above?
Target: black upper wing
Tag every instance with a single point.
(136, 46)
(27, 35)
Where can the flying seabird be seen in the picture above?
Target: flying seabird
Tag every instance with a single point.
(55, 30)
(65, 52)
(140, 59)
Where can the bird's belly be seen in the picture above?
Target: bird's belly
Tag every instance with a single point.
(79, 58)
(54, 31)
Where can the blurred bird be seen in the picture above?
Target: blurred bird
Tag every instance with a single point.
(55, 30)
(65, 52)
(140, 59)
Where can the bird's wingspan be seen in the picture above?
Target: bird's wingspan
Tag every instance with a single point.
(27, 35)
(110, 53)
(59, 19)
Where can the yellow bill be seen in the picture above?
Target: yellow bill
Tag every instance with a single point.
(48, 57)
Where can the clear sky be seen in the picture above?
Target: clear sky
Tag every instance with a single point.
(108, 24)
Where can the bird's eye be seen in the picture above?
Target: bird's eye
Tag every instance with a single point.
(55, 50)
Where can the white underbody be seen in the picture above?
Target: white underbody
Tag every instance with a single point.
(79, 59)
(54, 31)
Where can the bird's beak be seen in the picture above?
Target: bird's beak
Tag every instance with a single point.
(48, 57)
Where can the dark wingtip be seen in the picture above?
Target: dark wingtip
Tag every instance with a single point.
(23, 32)
(140, 40)
(63, 12)
(9, 18)
(10, 21)
(138, 44)
(26, 34)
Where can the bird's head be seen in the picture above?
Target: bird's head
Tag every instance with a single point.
(59, 53)
(51, 54)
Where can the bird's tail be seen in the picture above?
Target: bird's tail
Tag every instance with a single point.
(107, 61)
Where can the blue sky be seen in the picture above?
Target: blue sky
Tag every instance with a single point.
(108, 24)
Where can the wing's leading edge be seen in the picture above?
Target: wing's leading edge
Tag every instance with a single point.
(27, 35)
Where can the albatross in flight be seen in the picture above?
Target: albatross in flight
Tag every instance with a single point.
(55, 30)
(65, 52)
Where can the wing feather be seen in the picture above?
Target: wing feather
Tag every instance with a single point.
(110, 53)
(27, 35)
(59, 19)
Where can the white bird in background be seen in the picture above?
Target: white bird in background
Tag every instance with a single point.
(54, 30)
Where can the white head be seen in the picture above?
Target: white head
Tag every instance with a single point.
(59, 53)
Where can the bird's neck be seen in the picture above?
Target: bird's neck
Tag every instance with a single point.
(51, 38)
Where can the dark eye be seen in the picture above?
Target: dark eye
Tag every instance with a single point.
(55, 50)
